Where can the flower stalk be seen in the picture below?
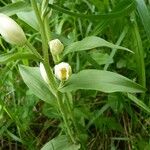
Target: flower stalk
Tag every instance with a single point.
(43, 25)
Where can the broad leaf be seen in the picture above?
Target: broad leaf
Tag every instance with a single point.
(29, 18)
(33, 79)
(60, 143)
(104, 81)
(14, 8)
(90, 43)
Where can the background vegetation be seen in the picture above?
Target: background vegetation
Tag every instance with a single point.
(107, 121)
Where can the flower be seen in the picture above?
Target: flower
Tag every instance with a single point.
(63, 71)
(43, 73)
(56, 47)
(11, 31)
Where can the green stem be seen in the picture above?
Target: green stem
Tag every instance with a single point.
(71, 112)
(42, 31)
(43, 24)
(52, 82)
(47, 30)
(64, 116)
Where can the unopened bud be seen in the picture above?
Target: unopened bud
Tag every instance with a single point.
(43, 73)
(56, 47)
(11, 31)
(63, 71)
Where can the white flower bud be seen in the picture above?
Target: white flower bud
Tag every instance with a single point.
(43, 73)
(11, 31)
(56, 47)
(62, 71)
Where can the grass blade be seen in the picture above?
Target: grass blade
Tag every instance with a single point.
(139, 102)
(144, 15)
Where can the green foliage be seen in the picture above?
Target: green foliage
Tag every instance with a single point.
(33, 79)
(105, 102)
(8, 57)
(60, 142)
(144, 15)
(14, 8)
(90, 43)
(104, 81)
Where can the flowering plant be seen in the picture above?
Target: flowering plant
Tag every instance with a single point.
(69, 73)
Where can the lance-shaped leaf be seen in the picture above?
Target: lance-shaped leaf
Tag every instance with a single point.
(144, 15)
(8, 57)
(100, 80)
(122, 8)
(14, 8)
(90, 43)
(139, 102)
(34, 80)
(60, 143)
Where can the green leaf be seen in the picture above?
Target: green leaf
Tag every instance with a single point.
(139, 52)
(34, 80)
(14, 8)
(101, 58)
(5, 58)
(104, 81)
(144, 15)
(90, 43)
(14, 137)
(123, 8)
(28, 17)
(60, 143)
(138, 102)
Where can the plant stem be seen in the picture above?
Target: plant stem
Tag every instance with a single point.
(52, 82)
(43, 24)
(47, 30)
(64, 116)
(42, 31)
(71, 113)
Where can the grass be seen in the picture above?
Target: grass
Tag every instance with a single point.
(111, 114)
